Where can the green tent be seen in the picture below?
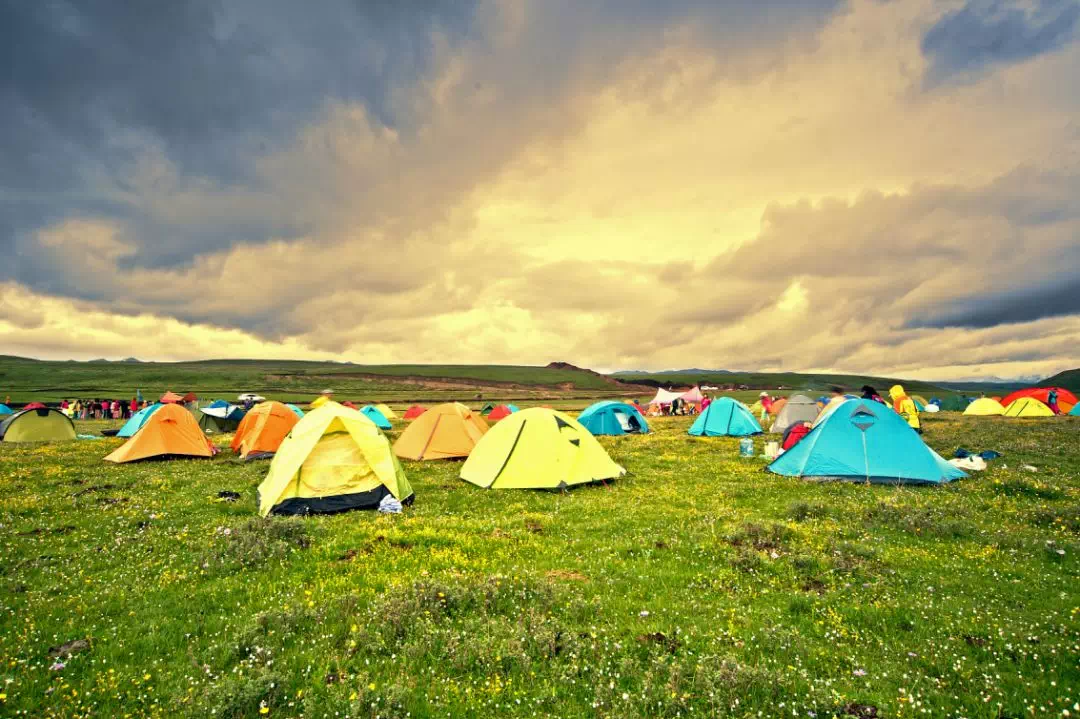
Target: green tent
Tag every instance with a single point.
(37, 425)
(487, 409)
(954, 403)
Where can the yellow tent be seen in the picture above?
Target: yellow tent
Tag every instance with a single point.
(985, 407)
(319, 401)
(334, 459)
(1027, 407)
(386, 411)
(538, 448)
(443, 432)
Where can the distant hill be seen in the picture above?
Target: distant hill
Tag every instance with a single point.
(1069, 379)
(629, 374)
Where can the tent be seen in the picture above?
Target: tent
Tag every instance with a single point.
(171, 431)
(446, 431)
(189, 398)
(137, 420)
(333, 460)
(1066, 399)
(954, 403)
(503, 410)
(4, 409)
(664, 396)
(725, 418)
(35, 405)
(415, 411)
(263, 429)
(37, 425)
(171, 398)
(798, 408)
(220, 419)
(984, 407)
(486, 409)
(865, 441)
(919, 401)
(295, 410)
(386, 411)
(538, 448)
(613, 418)
(1075, 411)
(919, 406)
(1026, 408)
(372, 413)
(349, 404)
(319, 401)
(778, 406)
(693, 395)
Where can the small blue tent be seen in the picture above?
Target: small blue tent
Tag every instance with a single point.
(4, 409)
(138, 419)
(1075, 411)
(864, 441)
(376, 416)
(725, 418)
(613, 418)
(296, 410)
(217, 403)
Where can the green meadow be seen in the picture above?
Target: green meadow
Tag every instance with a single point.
(698, 585)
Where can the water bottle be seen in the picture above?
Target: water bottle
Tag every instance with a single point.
(746, 447)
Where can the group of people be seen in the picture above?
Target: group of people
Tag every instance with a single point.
(679, 407)
(101, 409)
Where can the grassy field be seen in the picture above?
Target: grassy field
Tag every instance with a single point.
(697, 585)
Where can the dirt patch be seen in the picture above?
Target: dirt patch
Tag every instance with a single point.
(974, 641)
(669, 643)
(534, 526)
(95, 488)
(566, 575)
(107, 501)
(859, 711)
(68, 648)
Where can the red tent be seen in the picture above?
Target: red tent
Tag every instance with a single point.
(499, 412)
(1066, 399)
(348, 404)
(171, 397)
(415, 411)
(35, 405)
(190, 397)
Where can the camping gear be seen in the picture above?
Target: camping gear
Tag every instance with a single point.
(171, 398)
(386, 411)
(37, 425)
(746, 447)
(972, 463)
(319, 401)
(372, 413)
(797, 408)
(725, 417)
(171, 431)
(295, 410)
(222, 418)
(954, 403)
(984, 407)
(772, 450)
(987, 454)
(538, 448)
(137, 420)
(613, 418)
(333, 460)
(1027, 408)
(503, 410)
(4, 410)
(446, 431)
(1075, 411)
(865, 441)
(1066, 399)
(415, 411)
(263, 429)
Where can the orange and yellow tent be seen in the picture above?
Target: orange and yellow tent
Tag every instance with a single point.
(443, 432)
(171, 431)
(170, 397)
(262, 430)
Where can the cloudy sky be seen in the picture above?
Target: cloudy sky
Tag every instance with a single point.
(864, 185)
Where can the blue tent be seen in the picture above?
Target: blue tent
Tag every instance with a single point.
(1075, 411)
(4, 409)
(138, 419)
(864, 441)
(217, 403)
(296, 410)
(376, 416)
(725, 418)
(615, 418)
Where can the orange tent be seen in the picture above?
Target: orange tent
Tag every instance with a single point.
(171, 431)
(415, 411)
(443, 432)
(1066, 399)
(262, 430)
(171, 397)
(777, 406)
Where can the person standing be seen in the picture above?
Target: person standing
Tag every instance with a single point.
(905, 407)
(1052, 401)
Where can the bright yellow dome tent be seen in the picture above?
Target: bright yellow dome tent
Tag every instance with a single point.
(985, 407)
(386, 411)
(447, 431)
(1028, 407)
(538, 448)
(334, 459)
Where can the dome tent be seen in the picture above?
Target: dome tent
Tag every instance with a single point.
(613, 418)
(446, 431)
(263, 429)
(386, 411)
(865, 441)
(1066, 399)
(798, 408)
(378, 418)
(333, 460)
(37, 425)
(725, 418)
(223, 417)
(415, 411)
(538, 448)
(503, 410)
(137, 420)
(170, 432)
(1027, 408)
(985, 407)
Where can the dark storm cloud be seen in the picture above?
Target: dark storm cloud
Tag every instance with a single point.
(1050, 297)
(984, 33)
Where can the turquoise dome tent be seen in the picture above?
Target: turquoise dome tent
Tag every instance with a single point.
(613, 418)
(1075, 411)
(4, 409)
(296, 410)
(138, 419)
(372, 413)
(725, 418)
(864, 441)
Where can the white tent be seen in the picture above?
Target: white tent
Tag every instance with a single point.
(693, 395)
(663, 396)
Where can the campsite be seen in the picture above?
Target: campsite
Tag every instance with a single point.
(689, 580)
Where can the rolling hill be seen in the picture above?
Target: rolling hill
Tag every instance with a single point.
(1069, 379)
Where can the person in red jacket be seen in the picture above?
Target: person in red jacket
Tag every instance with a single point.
(794, 433)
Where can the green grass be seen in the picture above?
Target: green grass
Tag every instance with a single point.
(697, 585)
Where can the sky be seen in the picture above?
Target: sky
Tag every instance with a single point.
(869, 186)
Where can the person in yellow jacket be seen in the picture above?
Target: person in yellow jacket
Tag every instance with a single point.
(905, 407)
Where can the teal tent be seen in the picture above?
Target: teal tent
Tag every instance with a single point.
(1075, 412)
(865, 441)
(376, 416)
(954, 403)
(919, 406)
(614, 418)
(725, 418)
(138, 419)
(4, 409)
(296, 410)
